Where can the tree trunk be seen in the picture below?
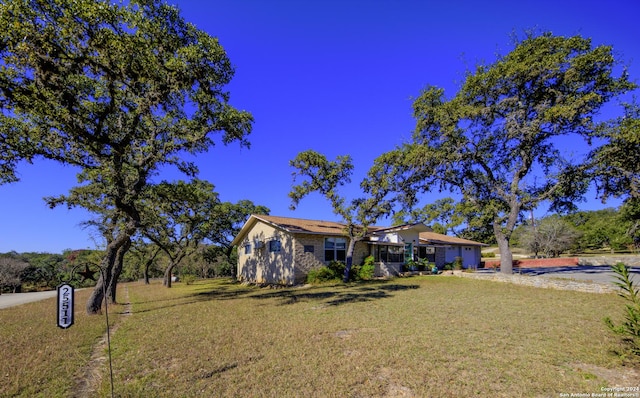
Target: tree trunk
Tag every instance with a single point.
(148, 265)
(117, 269)
(506, 257)
(175, 260)
(146, 271)
(167, 274)
(94, 304)
(350, 250)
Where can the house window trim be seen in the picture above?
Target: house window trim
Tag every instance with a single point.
(339, 254)
(275, 246)
(390, 253)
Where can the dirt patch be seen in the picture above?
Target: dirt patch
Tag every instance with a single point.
(87, 384)
(627, 377)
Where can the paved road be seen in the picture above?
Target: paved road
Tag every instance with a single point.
(598, 274)
(12, 299)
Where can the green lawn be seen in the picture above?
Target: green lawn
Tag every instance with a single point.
(422, 337)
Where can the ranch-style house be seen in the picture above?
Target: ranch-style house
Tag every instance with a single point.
(282, 250)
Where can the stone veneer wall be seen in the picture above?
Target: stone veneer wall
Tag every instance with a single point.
(631, 261)
(304, 262)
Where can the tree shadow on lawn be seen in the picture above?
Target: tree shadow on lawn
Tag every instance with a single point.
(332, 295)
(225, 291)
(329, 295)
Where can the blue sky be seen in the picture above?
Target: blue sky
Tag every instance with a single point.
(334, 76)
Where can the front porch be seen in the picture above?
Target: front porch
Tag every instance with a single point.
(395, 259)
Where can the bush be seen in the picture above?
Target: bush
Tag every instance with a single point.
(337, 267)
(334, 271)
(366, 271)
(457, 263)
(188, 279)
(630, 329)
(322, 274)
(489, 254)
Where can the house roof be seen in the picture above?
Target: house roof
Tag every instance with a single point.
(300, 225)
(304, 226)
(416, 227)
(295, 225)
(439, 239)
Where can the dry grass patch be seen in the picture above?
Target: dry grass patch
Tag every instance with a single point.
(414, 337)
(38, 358)
(423, 336)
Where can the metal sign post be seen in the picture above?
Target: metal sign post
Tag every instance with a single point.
(65, 305)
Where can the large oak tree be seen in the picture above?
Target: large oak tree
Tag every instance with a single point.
(503, 127)
(229, 220)
(177, 217)
(617, 165)
(325, 177)
(117, 90)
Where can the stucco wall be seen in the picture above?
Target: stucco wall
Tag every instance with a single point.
(292, 264)
(261, 265)
(440, 256)
(470, 255)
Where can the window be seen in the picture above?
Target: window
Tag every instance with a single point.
(396, 254)
(408, 252)
(335, 249)
(274, 246)
(309, 248)
(389, 254)
(247, 248)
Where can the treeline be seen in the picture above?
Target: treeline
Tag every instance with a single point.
(611, 230)
(26, 272)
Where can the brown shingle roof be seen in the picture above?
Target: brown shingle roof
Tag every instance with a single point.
(436, 238)
(304, 226)
(300, 225)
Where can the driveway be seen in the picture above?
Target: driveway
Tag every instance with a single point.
(12, 299)
(594, 273)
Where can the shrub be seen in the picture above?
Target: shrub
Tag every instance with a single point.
(630, 329)
(489, 254)
(423, 264)
(322, 274)
(457, 263)
(334, 271)
(188, 279)
(337, 267)
(366, 271)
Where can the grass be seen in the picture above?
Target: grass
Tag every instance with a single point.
(420, 336)
(38, 359)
